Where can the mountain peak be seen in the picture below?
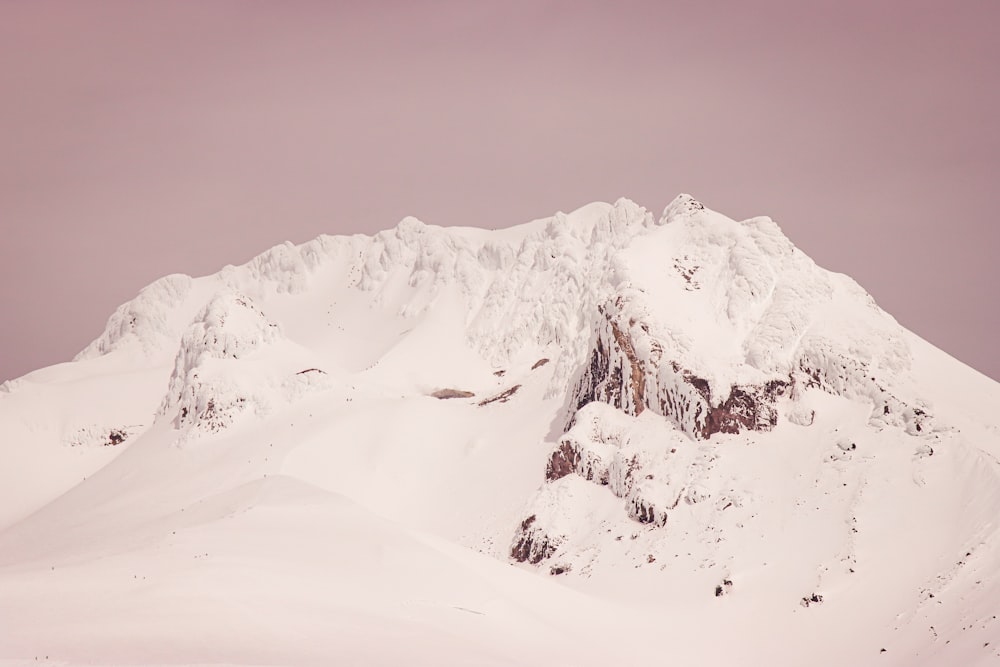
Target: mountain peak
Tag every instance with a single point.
(686, 419)
(682, 206)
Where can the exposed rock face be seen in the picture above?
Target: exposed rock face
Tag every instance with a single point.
(639, 362)
(747, 408)
(565, 460)
(531, 545)
(608, 448)
(632, 368)
(616, 374)
(445, 394)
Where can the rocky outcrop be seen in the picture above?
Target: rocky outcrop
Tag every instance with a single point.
(617, 374)
(502, 397)
(646, 512)
(565, 460)
(101, 436)
(630, 368)
(721, 341)
(531, 544)
(747, 408)
(445, 394)
(573, 457)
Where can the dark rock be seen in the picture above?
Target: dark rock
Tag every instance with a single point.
(452, 393)
(636, 378)
(564, 461)
(116, 437)
(645, 512)
(616, 375)
(502, 397)
(531, 544)
(747, 408)
(815, 598)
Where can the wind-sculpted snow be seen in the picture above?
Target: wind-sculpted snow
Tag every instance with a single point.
(286, 268)
(531, 290)
(160, 313)
(146, 320)
(202, 390)
(548, 297)
(703, 319)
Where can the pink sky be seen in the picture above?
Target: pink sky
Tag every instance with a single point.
(146, 138)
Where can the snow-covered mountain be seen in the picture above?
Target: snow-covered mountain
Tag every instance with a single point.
(597, 438)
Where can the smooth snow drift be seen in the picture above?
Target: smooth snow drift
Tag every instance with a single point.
(597, 438)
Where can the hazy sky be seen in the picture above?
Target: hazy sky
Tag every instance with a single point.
(144, 138)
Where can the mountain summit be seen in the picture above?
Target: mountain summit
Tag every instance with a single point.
(603, 436)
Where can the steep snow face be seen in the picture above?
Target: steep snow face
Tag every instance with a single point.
(706, 304)
(683, 417)
(533, 289)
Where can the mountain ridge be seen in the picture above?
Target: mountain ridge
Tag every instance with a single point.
(681, 419)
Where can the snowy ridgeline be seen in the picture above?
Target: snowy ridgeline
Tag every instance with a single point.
(682, 417)
(700, 318)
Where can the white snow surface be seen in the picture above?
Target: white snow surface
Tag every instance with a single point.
(252, 468)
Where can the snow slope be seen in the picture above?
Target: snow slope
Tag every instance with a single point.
(603, 437)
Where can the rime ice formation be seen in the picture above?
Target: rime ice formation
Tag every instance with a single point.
(691, 316)
(682, 416)
(144, 320)
(228, 328)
